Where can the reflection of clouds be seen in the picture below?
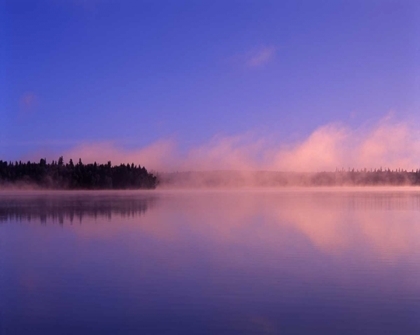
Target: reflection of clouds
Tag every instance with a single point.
(391, 234)
(267, 228)
(333, 221)
(255, 257)
(385, 222)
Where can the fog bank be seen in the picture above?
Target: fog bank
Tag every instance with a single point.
(386, 144)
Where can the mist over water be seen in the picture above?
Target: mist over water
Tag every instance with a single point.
(324, 158)
(291, 261)
(388, 144)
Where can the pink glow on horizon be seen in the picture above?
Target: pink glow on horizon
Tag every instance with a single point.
(386, 144)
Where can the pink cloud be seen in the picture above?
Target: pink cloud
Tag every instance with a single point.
(261, 56)
(157, 156)
(387, 144)
(28, 102)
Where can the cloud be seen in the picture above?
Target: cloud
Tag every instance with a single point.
(326, 147)
(27, 102)
(261, 56)
(238, 152)
(386, 144)
(158, 156)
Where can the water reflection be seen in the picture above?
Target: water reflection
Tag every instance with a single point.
(72, 206)
(265, 262)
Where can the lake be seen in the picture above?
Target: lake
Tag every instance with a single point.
(288, 261)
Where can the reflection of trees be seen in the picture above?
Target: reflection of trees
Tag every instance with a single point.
(401, 201)
(71, 208)
(350, 200)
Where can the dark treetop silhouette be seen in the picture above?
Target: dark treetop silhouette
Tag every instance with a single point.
(58, 175)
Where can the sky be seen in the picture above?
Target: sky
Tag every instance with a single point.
(290, 85)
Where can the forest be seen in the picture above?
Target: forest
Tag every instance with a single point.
(209, 179)
(70, 176)
(59, 175)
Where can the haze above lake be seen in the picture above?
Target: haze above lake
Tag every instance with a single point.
(290, 261)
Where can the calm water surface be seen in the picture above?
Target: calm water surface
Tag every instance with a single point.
(214, 262)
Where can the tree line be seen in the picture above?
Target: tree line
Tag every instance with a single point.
(231, 178)
(59, 175)
(374, 177)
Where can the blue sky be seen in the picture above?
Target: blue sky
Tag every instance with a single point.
(136, 72)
